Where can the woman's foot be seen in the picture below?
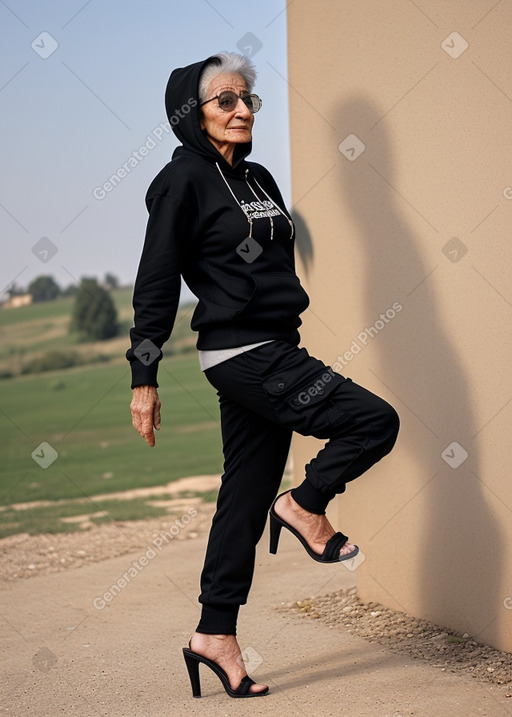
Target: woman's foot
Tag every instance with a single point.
(225, 651)
(314, 528)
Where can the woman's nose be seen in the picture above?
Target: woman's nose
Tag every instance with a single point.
(242, 110)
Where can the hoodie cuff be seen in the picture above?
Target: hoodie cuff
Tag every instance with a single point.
(143, 374)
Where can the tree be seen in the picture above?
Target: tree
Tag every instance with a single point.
(111, 281)
(44, 288)
(15, 291)
(94, 313)
(70, 290)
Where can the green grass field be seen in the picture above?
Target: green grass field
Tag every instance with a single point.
(30, 331)
(83, 413)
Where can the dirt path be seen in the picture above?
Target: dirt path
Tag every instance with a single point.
(436, 652)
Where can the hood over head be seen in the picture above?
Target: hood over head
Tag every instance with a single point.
(183, 112)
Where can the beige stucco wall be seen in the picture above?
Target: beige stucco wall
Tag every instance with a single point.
(390, 228)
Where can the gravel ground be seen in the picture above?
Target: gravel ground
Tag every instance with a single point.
(23, 556)
(401, 633)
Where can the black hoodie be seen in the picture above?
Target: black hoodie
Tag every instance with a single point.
(199, 210)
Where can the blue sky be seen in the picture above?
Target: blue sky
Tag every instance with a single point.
(81, 88)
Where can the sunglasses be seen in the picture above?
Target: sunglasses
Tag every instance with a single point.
(228, 100)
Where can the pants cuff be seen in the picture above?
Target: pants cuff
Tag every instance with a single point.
(310, 498)
(218, 619)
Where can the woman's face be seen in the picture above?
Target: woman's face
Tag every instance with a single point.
(226, 129)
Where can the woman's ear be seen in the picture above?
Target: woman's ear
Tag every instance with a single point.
(201, 119)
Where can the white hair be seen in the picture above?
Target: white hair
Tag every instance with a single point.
(226, 63)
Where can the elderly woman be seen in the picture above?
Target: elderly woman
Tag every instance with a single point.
(220, 222)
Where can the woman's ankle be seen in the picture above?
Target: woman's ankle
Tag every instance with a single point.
(310, 498)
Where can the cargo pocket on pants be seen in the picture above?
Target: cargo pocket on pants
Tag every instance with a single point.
(311, 406)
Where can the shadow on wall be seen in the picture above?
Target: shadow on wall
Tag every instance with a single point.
(303, 242)
(458, 551)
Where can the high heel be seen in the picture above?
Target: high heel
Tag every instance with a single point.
(192, 660)
(331, 553)
(275, 530)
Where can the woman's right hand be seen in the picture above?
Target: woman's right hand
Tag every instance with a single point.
(145, 408)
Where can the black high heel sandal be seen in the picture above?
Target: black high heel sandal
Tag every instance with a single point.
(331, 553)
(192, 660)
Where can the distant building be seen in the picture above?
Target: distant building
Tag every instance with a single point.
(16, 301)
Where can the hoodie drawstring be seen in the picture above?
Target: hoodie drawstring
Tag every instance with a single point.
(249, 219)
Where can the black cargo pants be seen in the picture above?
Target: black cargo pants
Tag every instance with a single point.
(265, 394)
